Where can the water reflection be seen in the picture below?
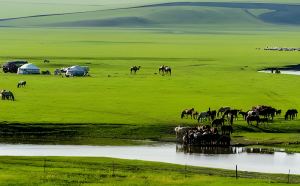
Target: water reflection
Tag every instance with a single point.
(188, 149)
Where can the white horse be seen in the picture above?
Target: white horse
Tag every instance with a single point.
(222, 109)
(202, 116)
(181, 131)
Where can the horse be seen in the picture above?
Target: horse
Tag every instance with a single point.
(202, 116)
(22, 83)
(134, 68)
(244, 114)
(161, 68)
(222, 109)
(187, 112)
(213, 114)
(292, 113)
(218, 122)
(263, 120)
(251, 118)
(234, 112)
(227, 128)
(181, 131)
(230, 118)
(278, 113)
(46, 61)
(8, 95)
(167, 70)
(195, 114)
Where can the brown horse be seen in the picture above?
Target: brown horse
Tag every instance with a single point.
(218, 122)
(134, 68)
(167, 70)
(187, 112)
(251, 118)
(228, 129)
(195, 114)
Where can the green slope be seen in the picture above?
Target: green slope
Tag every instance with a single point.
(151, 16)
(173, 14)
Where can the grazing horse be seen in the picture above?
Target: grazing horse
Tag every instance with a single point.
(195, 114)
(202, 116)
(278, 113)
(225, 128)
(22, 83)
(292, 113)
(167, 70)
(218, 122)
(230, 118)
(187, 112)
(46, 61)
(134, 68)
(263, 120)
(222, 109)
(244, 114)
(8, 95)
(234, 112)
(162, 69)
(213, 114)
(251, 118)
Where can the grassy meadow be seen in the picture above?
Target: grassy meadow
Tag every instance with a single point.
(211, 51)
(99, 171)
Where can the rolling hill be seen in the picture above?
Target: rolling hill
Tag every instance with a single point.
(152, 15)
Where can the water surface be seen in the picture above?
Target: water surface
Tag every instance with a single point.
(247, 159)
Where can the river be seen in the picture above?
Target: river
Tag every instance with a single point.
(292, 72)
(247, 159)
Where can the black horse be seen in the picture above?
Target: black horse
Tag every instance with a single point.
(292, 113)
(22, 84)
(8, 95)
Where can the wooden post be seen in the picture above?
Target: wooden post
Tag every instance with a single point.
(44, 164)
(185, 170)
(113, 168)
(289, 176)
(236, 174)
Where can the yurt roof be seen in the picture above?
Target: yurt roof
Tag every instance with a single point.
(75, 68)
(29, 66)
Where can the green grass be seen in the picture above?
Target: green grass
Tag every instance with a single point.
(99, 171)
(206, 73)
(211, 52)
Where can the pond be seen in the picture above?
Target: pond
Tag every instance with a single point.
(247, 159)
(292, 72)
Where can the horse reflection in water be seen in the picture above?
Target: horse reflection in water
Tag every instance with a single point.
(205, 150)
(260, 150)
(188, 149)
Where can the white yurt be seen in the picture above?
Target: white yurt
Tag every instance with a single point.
(75, 71)
(28, 69)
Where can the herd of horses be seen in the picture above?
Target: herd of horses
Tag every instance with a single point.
(204, 135)
(161, 70)
(282, 48)
(8, 95)
(259, 113)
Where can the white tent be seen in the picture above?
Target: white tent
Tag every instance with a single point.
(75, 71)
(28, 69)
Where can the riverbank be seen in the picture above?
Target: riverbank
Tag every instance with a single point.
(110, 171)
(128, 135)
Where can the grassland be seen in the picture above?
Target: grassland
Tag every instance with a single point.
(99, 171)
(207, 72)
(213, 62)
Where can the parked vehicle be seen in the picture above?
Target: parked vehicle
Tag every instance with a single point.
(12, 66)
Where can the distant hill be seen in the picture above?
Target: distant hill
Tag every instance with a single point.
(175, 14)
